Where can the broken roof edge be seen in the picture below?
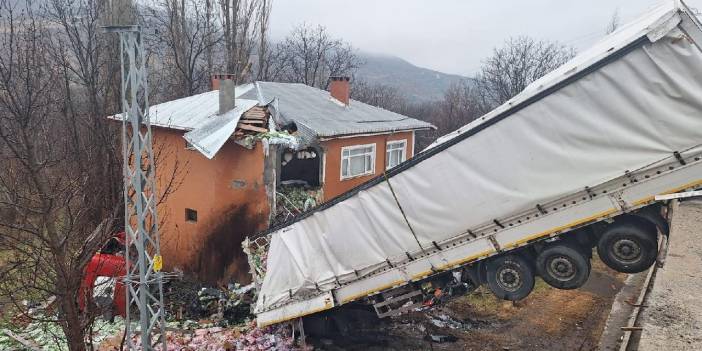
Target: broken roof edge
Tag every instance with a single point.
(650, 26)
(117, 117)
(186, 113)
(211, 136)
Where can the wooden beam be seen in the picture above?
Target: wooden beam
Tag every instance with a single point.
(252, 121)
(254, 116)
(252, 128)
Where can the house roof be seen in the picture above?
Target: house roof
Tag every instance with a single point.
(207, 131)
(657, 22)
(313, 111)
(191, 112)
(316, 111)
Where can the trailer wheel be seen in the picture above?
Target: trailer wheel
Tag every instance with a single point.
(628, 247)
(563, 266)
(510, 277)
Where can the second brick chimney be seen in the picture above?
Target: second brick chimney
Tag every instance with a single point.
(340, 88)
(226, 85)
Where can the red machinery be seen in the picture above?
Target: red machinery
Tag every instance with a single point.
(110, 262)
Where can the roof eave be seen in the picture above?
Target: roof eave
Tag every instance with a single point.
(359, 134)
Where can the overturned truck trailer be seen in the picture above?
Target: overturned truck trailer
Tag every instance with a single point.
(570, 164)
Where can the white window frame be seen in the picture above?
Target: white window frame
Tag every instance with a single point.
(387, 151)
(355, 147)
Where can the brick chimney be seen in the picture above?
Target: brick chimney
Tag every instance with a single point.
(340, 88)
(226, 85)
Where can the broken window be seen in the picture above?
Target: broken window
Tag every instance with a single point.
(302, 167)
(190, 215)
(395, 153)
(357, 160)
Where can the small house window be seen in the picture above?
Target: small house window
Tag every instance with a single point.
(357, 161)
(190, 215)
(395, 153)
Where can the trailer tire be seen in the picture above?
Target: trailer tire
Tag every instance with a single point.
(563, 266)
(628, 247)
(510, 277)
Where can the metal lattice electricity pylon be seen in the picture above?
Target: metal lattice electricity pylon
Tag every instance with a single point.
(144, 278)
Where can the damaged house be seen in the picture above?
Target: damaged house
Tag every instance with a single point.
(340, 143)
(238, 158)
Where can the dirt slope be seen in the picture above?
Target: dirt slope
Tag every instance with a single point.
(548, 319)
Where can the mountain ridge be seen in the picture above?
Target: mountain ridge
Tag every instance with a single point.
(416, 83)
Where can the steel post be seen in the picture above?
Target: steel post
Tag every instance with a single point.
(143, 280)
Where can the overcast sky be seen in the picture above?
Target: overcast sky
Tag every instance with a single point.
(453, 36)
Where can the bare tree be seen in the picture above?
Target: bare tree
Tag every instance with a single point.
(271, 65)
(119, 12)
(460, 105)
(89, 72)
(263, 53)
(518, 63)
(379, 95)
(613, 22)
(210, 27)
(52, 233)
(192, 39)
(240, 27)
(185, 35)
(310, 55)
(60, 177)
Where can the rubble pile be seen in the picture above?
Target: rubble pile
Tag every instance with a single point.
(257, 256)
(181, 299)
(199, 318)
(48, 336)
(293, 200)
(230, 306)
(221, 306)
(246, 337)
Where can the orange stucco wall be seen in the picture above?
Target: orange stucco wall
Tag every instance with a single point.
(333, 185)
(229, 195)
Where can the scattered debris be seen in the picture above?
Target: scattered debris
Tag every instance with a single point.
(257, 254)
(246, 337)
(26, 343)
(440, 338)
(280, 138)
(48, 336)
(220, 306)
(292, 200)
(445, 321)
(230, 305)
(200, 318)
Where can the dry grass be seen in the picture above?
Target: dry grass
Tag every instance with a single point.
(483, 302)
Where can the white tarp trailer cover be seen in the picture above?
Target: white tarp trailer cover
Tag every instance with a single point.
(630, 101)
